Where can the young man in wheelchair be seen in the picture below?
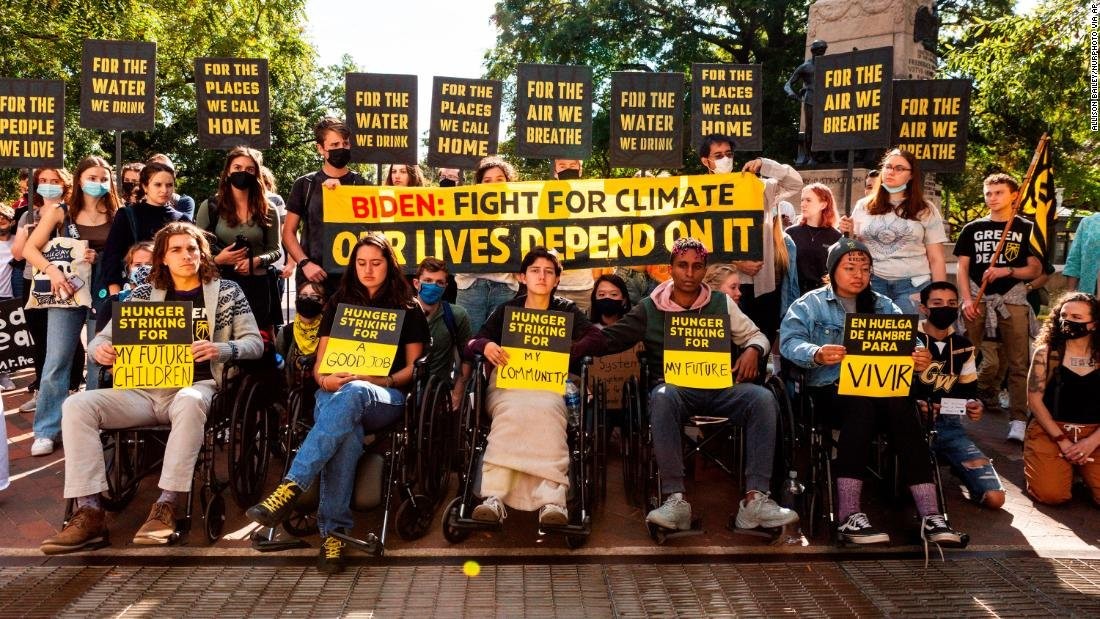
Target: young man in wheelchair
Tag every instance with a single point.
(745, 403)
(183, 270)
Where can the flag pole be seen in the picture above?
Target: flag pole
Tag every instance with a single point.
(1015, 207)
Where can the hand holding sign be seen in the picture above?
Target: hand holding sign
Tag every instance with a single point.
(880, 355)
(535, 351)
(363, 341)
(829, 354)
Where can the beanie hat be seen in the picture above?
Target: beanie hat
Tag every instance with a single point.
(843, 246)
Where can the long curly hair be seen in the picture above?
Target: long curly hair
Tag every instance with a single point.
(161, 277)
(1050, 335)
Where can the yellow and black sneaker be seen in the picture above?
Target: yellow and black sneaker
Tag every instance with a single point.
(331, 560)
(273, 510)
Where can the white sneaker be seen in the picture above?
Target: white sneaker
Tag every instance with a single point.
(674, 513)
(42, 447)
(1016, 431)
(490, 510)
(761, 511)
(553, 515)
(29, 405)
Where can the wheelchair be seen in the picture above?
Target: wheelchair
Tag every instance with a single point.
(240, 421)
(714, 439)
(409, 459)
(587, 462)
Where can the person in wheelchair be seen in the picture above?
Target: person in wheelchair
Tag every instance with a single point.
(299, 341)
(746, 404)
(811, 337)
(349, 405)
(183, 270)
(953, 373)
(526, 462)
(449, 325)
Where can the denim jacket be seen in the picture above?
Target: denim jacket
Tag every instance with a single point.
(816, 319)
(789, 289)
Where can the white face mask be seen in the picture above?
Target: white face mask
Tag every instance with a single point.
(894, 190)
(723, 165)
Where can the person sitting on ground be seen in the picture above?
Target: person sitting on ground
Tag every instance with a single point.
(349, 405)
(812, 338)
(183, 270)
(724, 278)
(953, 373)
(746, 404)
(1062, 437)
(138, 262)
(526, 462)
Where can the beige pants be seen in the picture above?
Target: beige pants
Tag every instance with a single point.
(1015, 343)
(84, 414)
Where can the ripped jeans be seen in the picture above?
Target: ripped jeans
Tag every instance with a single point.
(955, 446)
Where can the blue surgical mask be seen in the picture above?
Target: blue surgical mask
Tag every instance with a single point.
(431, 293)
(95, 190)
(893, 190)
(49, 192)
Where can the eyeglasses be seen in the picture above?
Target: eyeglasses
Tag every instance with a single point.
(894, 168)
(722, 155)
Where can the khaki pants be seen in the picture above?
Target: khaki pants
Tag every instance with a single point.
(1049, 476)
(84, 414)
(1015, 348)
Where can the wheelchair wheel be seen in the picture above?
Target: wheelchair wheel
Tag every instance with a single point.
(626, 442)
(122, 457)
(433, 443)
(249, 451)
(600, 442)
(301, 524)
(786, 432)
(214, 517)
(451, 533)
(413, 520)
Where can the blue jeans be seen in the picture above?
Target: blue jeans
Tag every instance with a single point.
(334, 444)
(62, 338)
(747, 405)
(955, 446)
(481, 298)
(899, 291)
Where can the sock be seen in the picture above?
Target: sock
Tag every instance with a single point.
(675, 495)
(91, 501)
(848, 492)
(168, 496)
(924, 495)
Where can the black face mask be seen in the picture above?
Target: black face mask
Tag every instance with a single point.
(242, 180)
(943, 317)
(447, 182)
(127, 189)
(1072, 329)
(608, 307)
(307, 307)
(339, 157)
(569, 174)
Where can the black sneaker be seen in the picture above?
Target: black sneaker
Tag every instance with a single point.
(331, 560)
(858, 530)
(273, 510)
(934, 528)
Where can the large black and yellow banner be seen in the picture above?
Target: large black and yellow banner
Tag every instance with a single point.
(930, 120)
(381, 113)
(553, 111)
(537, 343)
(726, 100)
(852, 97)
(878, 361)
(363, 340)
(118, 85)
(590, 223)
(697, 350)
(233, 104)
(32, 123)
(465, 122)
(647, 120)
(153, 344)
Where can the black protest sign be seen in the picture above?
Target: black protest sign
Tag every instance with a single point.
(118, 85)
(930, 121)
(363, 340)
(537, 343)
(153, 344)
(878, 360)
(32, 123)
(553, 111)
(647, 120)
(697, 350)
(726, 100)
(381, 111)
(465, 119)
(233, 104)
(852, 98)
(16, 341)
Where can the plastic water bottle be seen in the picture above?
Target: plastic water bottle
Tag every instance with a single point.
(280, 363)
(573, 403)
(792, 493)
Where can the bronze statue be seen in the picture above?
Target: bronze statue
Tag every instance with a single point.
(805, 74)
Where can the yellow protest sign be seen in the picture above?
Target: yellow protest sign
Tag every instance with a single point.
(363, 340)
(879, 358)
(697, 350)
(153, 345)
(537, 343)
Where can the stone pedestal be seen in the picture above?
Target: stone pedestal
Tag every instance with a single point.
(834, 180)
(866, 24)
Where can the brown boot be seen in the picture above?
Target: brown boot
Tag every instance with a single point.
(87, 529)
(159, 527)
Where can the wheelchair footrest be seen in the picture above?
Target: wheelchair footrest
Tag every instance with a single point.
(661, 534)
(278, 544)
(372, 545)
(566, 529)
